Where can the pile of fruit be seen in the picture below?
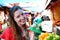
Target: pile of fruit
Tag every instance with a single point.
(49, 36)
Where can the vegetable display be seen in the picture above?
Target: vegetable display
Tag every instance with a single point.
(49, 36)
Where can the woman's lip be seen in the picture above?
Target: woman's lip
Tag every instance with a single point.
(22, 20)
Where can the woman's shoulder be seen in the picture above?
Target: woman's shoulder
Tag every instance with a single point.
(8, 30)
(6, 33)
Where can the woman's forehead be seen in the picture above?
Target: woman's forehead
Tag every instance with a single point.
(19, 11)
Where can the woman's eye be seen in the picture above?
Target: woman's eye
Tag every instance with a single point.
(18, 16)
(22, 14)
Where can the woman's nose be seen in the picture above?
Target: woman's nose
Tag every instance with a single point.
(21, 18)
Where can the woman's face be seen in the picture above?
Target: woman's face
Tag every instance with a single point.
(19, 17)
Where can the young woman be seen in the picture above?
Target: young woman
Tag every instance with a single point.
(17, 29)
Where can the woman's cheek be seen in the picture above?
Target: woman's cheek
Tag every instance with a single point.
(17, 20)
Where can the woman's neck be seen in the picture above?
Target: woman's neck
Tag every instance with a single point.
(22, 27)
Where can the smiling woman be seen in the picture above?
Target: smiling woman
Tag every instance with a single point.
(17, 25)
